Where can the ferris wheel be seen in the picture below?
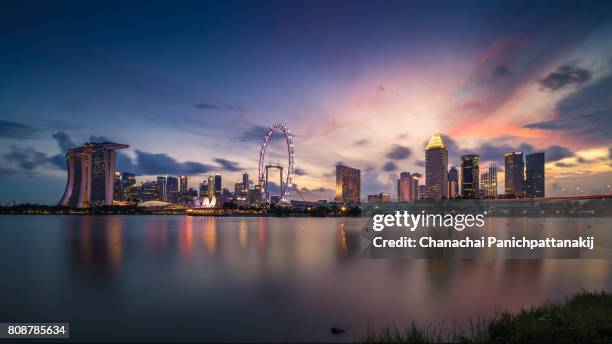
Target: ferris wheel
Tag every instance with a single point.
(263, 168)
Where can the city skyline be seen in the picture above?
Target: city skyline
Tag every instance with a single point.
(188, 101)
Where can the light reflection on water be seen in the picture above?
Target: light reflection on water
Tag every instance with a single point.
(206, 278)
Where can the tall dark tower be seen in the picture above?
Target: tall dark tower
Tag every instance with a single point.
(534, 175)
(436, 167)
(470, 174)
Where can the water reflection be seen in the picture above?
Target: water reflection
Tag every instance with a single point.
(299, 274)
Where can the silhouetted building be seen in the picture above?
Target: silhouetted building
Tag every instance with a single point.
(172, 188)
(453, 182)
(245, 182)
(218, 185)
(514, 174)
(91, 175)
(422, 191)
(128, 179)
(161, 189)
(117, 193)
(470, 171)
(183, 185)
(203, 189)
(348, 184)
(436, 167)
(534, 175)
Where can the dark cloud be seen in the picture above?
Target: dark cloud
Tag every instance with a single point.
(99, 139)
(220, 107)
(390, 166)
(257, 133)
(564, 76)
(63, 141)
(586, 113)
(563, 164)
(555, 153)
(398, 152)
(299, 172)
(161, 163)
(362, 142)
(228, 165)
(319, 189)
(16, 130)
(420, 163)
(29, 159)
(501, 72)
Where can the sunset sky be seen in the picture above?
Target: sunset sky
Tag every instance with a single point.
(192, 86)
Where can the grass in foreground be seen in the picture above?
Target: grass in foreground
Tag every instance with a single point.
(583, 318)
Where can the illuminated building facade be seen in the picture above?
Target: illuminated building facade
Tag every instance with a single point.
(514, 174)
(91, 175)
(407, 187)
(211, 187)
(534, 175)
(488, 180)
(470, 171)
(218, 185)
(245, 182)
(348, 184)
(436, 167)
(381, 197)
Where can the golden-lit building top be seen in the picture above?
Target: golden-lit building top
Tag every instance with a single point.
(436, 141)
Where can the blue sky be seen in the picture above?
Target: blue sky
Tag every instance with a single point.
(190, 86)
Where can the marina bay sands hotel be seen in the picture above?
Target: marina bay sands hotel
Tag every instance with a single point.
(91, 170)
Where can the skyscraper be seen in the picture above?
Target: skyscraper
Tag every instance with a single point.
(245, 182)
(453, 182)
(183, 185)
(470, 171)
(436, 167)
(407, 187)
(117, 193)
(348, 184)
(161, 189)
(514, 174)
(218, 185)
(172, 188)
(488, 180)
(128, 179)
(91, 175)
(211, 187)
(534, 175)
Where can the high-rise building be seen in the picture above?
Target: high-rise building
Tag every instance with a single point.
(149, 191)
(436, 167)
(488, 181)
(218, 185)
(348, 184)
(514, 179)
(117, 193)
(162, 194)
(407, 187)
(172, 189)
(183, 185)
(534, 175)
(470, 171)
(453, 182)
(91, 175)
(245, 182)
(211, 187)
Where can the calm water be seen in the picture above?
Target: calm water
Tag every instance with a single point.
(268, 279)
